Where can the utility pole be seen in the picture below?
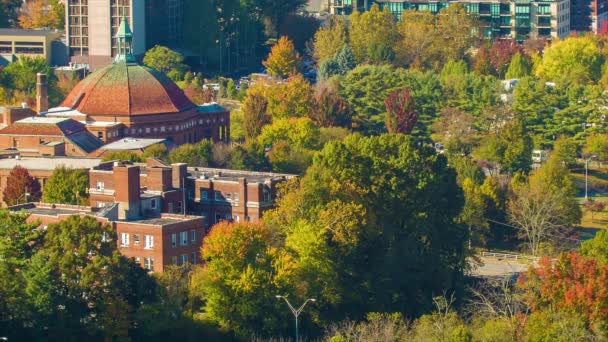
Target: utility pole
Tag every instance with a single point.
(296, 313)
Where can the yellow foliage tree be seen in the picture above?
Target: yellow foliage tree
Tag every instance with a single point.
(574, 59)
(283, 59)
(372, 30)
(330, 39)
(41, 13)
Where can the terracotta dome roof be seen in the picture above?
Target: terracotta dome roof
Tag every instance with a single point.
(127, 89)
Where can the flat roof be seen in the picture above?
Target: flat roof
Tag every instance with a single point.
(41, 120)
(25, 33)
(44, 211)
(131, 144)
(234, 175)
(158, 221)
(49, 163)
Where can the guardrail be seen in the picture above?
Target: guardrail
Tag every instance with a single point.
(508, 256)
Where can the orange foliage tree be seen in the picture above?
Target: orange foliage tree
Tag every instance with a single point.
(573, 282)
(283, 59)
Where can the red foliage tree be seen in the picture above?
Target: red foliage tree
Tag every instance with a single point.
(573, 282)
(329, 109)
(500, 54)
(400, 116)
(18, 183)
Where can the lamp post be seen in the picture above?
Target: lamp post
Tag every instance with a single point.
(297, 312)
(586, 172)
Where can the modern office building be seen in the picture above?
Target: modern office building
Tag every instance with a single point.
(509, 19)
(92, 25)
(15, 43)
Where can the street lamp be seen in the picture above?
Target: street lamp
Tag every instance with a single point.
(586, 168)
(297, 312)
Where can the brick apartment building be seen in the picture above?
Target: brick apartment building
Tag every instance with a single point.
(161, 212)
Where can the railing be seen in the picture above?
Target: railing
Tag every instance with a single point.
(508, 256)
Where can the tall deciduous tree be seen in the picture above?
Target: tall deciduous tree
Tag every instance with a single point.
(360, 209)
(330, 38)
(575, 59)
(20, 187)
(166, 61)
(371, 31)
(500, 54)
(67, 186)
(283, 59)
(242, 275)
(42, 13)
(329, 109)
(198, 154)
(254, 114)
(400, 112)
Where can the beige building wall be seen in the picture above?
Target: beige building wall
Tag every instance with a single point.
(99, 30)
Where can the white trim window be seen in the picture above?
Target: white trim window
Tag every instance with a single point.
(136, 239)
(149, 264)
(173, 240)
(124, 239)
(100, 186)
(184, 238)
(148, 241)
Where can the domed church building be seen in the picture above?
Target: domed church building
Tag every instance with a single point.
(128, 100)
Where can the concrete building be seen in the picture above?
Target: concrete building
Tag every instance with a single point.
(511, 19)
(92, 25)
(15, 43)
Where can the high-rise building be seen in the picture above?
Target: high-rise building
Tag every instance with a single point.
(91, 27)
(516, 19)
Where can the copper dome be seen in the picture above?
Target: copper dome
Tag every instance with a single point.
(127, 89)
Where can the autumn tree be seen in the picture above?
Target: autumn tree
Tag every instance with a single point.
(576, 59)
(283, 59)
(254, 114)
(594, 207)
(573, 283)
(329, 109)
(21, 187)
(42, 13)
(292, 98)
(400, 112)
(198, 154)
(371, 32)
(67, 186)
(241, 276)
(500, 54)
(298, 132)
(481, 61)
(330, 38)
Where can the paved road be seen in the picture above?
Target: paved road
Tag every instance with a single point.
(493, 267)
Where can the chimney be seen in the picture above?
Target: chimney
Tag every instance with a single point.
(42, 96)
(127, 190)
(180, 171)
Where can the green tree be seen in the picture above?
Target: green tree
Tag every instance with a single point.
(122, 155)
(596, 144)
(64, 282)
(249, 156)
(576, 59)
(596, 248)
(67, 186)
(167, 61)
(564, 150)
(254, 114)
(155, 151)
(298, 132)
(283, 59)
(556, 325)
(518, 67)
(198, 154)
(360, 209)
(371, 31)
(517, 155)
